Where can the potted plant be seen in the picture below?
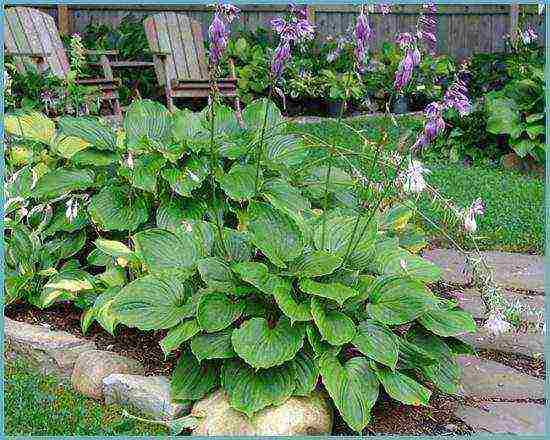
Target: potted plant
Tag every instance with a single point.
(342, 87)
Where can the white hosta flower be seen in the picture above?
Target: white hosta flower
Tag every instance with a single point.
(72, 209)
(476, 208)
(497, 325)
(413, 177)
(541, 8)
(129, 161)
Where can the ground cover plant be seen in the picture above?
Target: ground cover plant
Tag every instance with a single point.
(277, 262)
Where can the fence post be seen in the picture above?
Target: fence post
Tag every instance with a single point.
(311, 14)
(514, 16)
(63, 19)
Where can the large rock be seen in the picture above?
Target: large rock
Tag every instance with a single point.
(504, 417)
(470, 300)
(529, 344)
(297, 416)
(487, 379)
(512, 271)
(148, 395)
(93, 366)
(49, 352)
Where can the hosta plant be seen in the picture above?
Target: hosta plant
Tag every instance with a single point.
(270, 280)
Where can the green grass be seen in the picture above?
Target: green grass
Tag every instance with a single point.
(514, 218)
(40, 405)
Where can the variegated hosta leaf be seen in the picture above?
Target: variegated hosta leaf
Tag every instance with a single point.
(306, 373)
(191, 380)
(114, 276)
(333, 291)
(190, 177)
(401, 387)
(61, 181)
(15, 286)
(239, 183)
(96, 158)
(67, 146)
(19, 184)
(90, 129)
(396, 218)
(115, 208)
(353, 388)
(33, 126)
(274, 233)
(213, 346)
(147, 120)
(335, 327)
(152, 302)
(251, 390)
(254, 116)
(65, 285)
(216, 274)
(162, 250)
(396, 300)
(113, 248)
(264, 347)
(216, 311)
(178, 335)
(446, 373)
(444, 322)
(314, 264)
(258, 275)
(377, 342)
(101, 312)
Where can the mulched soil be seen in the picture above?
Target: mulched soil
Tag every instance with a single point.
(526, 365)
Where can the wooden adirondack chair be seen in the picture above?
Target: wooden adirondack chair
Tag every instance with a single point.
(177, 46)
(31, 38)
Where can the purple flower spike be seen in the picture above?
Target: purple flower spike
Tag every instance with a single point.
(362, 35)
(427, 27)
(218, 32)
(383, 9)
(455, 97)
(404, 70)
(299, 11)
(282, 55)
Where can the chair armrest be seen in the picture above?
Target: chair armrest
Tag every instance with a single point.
(161, 53)
(31, 54)
(101, 52)
(232, 73)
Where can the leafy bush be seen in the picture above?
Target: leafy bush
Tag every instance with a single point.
(267, 278)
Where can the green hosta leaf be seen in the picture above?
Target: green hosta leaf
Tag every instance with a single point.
(216, 311)
(201, 233)
(306, 373)
(445, 374)
(96, 158)
(191, 380)
(213, 346)
(171, 215)
(186, 127)
(113, 276)
(152, 302)
(236, 247)
(33, 126)
(188, 178)
(314, 264)
(334, 291)
(68, 146)
(61, 181)
(377, 343)
(255, 117)
(294, 309)
(448, 322)
(239, 182)
(396, 300)
(316, 181)
(353, 388)
(144, 172)
(335, 327)
(93, 130)
(411, 356)
(316, 341)
(216, 274)
(404, 263)
(64, 286)
(503, 115)
(162, 250)
(101, 312)
(250, 391)
(274, 233)
(113, 248)
(147, 120)
(59, 249)
(178, 335)
(100, 259)
(396, 218)
(402, 388)
(225, 122)
(116, 209)
(285, 149)
(60, 222)
(264, 347)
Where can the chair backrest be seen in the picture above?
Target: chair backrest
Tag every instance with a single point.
(33, 33)
(177, 46)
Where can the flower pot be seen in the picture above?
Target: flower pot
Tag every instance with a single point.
(334, 108)
(400, 105)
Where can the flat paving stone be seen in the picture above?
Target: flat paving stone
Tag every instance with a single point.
(527, 344)
(504, 417)
(470, 300)
(484, 378)
(512, 271)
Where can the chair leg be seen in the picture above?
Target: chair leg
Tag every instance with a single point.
(116, 107)
(170, 100)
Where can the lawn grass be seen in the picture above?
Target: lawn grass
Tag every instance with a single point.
(40, 405)
(514, 218)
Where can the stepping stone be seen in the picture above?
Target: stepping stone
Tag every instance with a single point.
(148, 395)
(470, 300)
(488, 379)
(452, 264)
(50, 352)
(527, 344)
(93, 366)
(504, 417)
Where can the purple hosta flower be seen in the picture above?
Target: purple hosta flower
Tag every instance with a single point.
(427, 27)
(455, 97)
(529, 35)
(72, 209)
(405, 70)
(405, 40)
(218, 32)
(496, 324)
(361, 34)
(231, 11)
(435, 124)
(281, 56)
(299, 11)
(476, 208)
(383, 9)
(413, 177)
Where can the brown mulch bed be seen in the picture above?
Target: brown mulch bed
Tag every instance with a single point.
(524, 364)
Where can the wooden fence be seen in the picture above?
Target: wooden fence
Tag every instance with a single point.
(462, 29)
